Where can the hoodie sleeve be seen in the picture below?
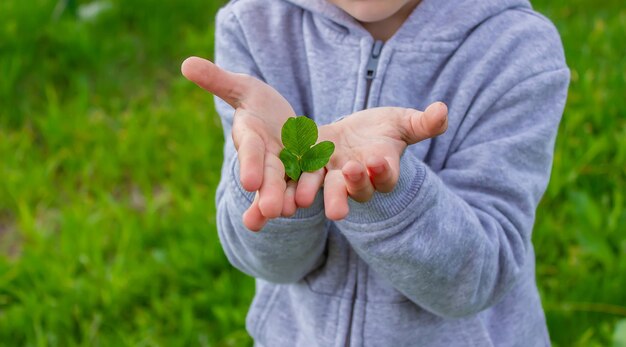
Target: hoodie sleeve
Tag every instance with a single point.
(286, 249)
(455, 241)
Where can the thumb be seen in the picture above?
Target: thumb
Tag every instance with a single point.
(228, 86)
(430, 123)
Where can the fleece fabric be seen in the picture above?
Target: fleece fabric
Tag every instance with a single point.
(445, 259)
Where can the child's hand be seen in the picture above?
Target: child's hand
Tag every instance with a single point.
(368, 146)
(260, 112)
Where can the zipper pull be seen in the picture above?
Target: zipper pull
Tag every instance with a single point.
(372, 63)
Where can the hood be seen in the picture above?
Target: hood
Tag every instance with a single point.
(432, 20)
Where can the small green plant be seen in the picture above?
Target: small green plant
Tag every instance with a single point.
(301, 154)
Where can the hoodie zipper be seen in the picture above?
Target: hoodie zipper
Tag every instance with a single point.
(372, 68)
(370, 73)
(354, 297)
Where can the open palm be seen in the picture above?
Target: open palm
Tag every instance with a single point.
(369, 145)
(260, 112)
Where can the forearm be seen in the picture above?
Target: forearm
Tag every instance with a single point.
(437, 250)
(285, 250)
(456, 240)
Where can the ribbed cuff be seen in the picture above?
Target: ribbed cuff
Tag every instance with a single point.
(384, 206)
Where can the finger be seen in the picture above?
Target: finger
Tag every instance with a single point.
(335, 195)
(419, 126)
(228, 86)
(289, 201)
(251, 154)
(308, 186)
(252, 218)
(383, 176)
(357, 180)
(273, 187)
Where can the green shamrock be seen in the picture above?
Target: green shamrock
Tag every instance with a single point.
(299, 135)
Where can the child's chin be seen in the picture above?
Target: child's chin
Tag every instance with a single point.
(368, 12)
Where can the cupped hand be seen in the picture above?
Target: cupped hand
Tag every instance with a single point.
(260, 112)
(368, 146)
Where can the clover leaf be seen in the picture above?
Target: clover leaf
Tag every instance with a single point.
(299, 135)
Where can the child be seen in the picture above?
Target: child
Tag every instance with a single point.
(415, 239)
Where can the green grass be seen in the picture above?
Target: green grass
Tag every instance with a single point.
(109, 161)
(109, 164)
(580, 237)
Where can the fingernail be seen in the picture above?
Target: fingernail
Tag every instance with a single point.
(378, 169)
(443, 122)
(354, 178)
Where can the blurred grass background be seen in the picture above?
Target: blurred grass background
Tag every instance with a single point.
(109, 160)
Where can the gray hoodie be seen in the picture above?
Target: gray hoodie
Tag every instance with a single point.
(445, 259)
